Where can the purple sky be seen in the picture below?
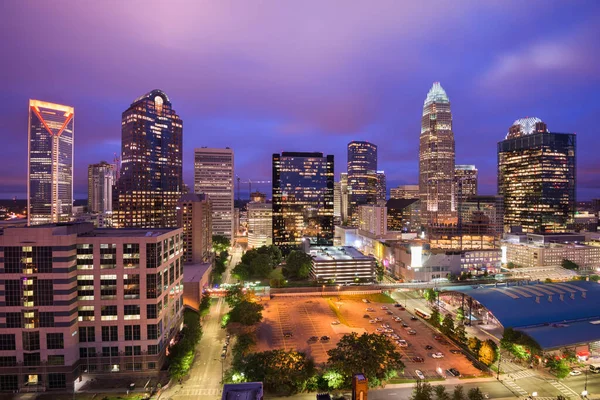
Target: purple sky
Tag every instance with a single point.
(271, 76)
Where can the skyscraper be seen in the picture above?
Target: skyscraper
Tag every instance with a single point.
(405, 192)
(213, 175)
(50, 163)
(465, 183)
(362, 176)
(302, 199)
(344, 197)
(536, 176)
(194, 215)
(436, 159)
(381, 186)
(260, 224)
(101, 178)
(150, 181)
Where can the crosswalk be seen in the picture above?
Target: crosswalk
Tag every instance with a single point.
(564, 390)
(526, 373)
(199, 392)
(515, 388)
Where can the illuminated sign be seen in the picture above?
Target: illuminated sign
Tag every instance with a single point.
(416, 255)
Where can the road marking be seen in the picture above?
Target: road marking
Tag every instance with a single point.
(567, 391)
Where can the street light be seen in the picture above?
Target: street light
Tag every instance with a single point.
(585, 392)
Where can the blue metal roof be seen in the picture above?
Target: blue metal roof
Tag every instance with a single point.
(553, 336)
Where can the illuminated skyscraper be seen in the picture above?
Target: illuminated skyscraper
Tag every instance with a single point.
(150, 181)
(213, 175)
(362, 176)
(436, 159)
(381, 186)
(101, 178)
(465, 183)
(50, 164)
(405, 192)
(302, 199)
(344, 197)
(536, 176)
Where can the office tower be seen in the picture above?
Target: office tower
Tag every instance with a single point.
(194, 215)
(302, 199)
(213, 175)
(260, 224)
(258, 197)
(403, 214)
(405, 192)
(373, 218)
(344, 198)
(483, 215)
(436, 159)
(337, 203)
(101, 178)
(83, 300)
(536, 176)
(50, 164)
(465, 183)
(381, 186)
(150, 181)
(362, 176)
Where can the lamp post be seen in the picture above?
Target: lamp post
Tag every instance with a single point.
(499, 361)
(338, 287)
(585, 392)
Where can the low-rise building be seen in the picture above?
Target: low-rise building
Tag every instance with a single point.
(195, 280)
(373, 218)
(260, 224)
(341, 264)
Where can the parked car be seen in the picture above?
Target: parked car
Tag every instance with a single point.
(402, 343)
(223, 353)
(313, 339)
(365, 301)
(419, 374)
(397, 319)
(455, 351)
(418, 359)
(336, 322)
(438, 337)
(437, 355)
(412, 332)
(372, 321)
(369, 309)
(367, 316)
(389, 313)
(380, 330)
(397, 305)
(453, 372)
(413, 318)
(384, 308)
(388, 330)
(404, 325)
(575, 372)
(377, 319)
(287, 334)
(428, 347)
(325, 338)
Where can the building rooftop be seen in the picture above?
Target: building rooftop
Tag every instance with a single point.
(195, 272)
(436, 94)
(242, 391)
(337, 253)
(127, 232)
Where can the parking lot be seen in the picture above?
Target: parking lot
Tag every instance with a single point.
(289, 323)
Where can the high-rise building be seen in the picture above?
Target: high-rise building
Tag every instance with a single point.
(50, 163)
(258, 197)
(465, 183)
(373, 218)
(260, 224)
(101, 178)
(405, 192)
(213, 175)
(302, 199)
(150, 181)
(403, 214)
(337, 203)
(83, 300)
(344, 198)
(362, 176)
(194, 215)
(436, 159)
(536, 176)
(482, 215)
(381, 186)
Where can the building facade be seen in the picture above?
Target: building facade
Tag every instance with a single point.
(213, 175)
(50, 135)
(373, 218)
(465, 183)
(79, 300)
(302, 199)
(436, 159)
(260, 224)
(344, 198)
(362, 176)
(405, 192)
(101, 178)
(150, 180)
(403, 214)
(537, 177)
(381, 186)
(194, 215)
(341, 264)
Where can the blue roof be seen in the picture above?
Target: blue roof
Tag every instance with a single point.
(553, 336)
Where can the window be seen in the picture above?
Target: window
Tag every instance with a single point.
(87, 334)
(152, 286)
(152, 349)
(171, 273)
(151, 311)
(87, 352)
(132, 332)
(108, 287)
(110, 334)
(152, 332)
(43, 292)
(7, 341)
(133, 350)
(108, 313)
(85, 256)
(110, 351)
(153, 255)
(133, 366)
(31, 359)
(14, 320)
(31, 341)
(9, 382)
(86, 313)
(85, 287)
(131, 255)
(57, 381)
(13, 292)
(30, 319)
(151, 365)
(55, 341)
(8, 361)
(132, 311)
(108, 256)
(56, 360)
(131, 286)
(46, 319)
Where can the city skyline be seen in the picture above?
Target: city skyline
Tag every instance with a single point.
(371, 93)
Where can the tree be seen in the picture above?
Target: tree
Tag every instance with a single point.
(242, 346)
(568, 264)
(440, 392)
(379, 270)
(334, 379)
(205, 304)
(510, 265)
(458, 393)
(220, 243)
(234, 295)
(559, 367)
(460, 333)
(460, 314)
(475, 394)
(276, 278)
(474, 344)
(246, 312)
(297, 265)
(273, 252)
(430, 295)
(261, 266)
(422, 391)
(372, 354)
(488, 352)
(519, 344)
(448, 325)
(181, 354)
(435, 317)
(242, 272)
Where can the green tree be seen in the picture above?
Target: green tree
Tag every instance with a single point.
(242, 346)
(379, 270)
(297, 265)
(205, 304)
(458, 393)
(558, 367)
(234, 295)
(488, 352)
(220, 243)
(460, 333)
(242, 272)
(430, 295)
(448, 325)
(568, 264)
(519, 344)
(510, 265)
(475, 394)
(371, 354)
(440, 392)
(273, 252)
(246, 312)
(435, 317)
(276, 278)
(460, 314)
(181, 354)
(422, 391)
(474, 344)
(334, 379)
(261, 266)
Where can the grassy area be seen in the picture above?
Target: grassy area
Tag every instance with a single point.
(374, 298)
(407, 380)
(337, 312)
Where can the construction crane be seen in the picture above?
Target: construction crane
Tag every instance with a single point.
(249, 182)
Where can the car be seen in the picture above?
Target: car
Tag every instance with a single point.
(402, 343)
(365, 301)
(313, 339)
(428, 347)
(444, 342)
(369, 309)
(413, 318)
(575, 372)
(389, 330)
(367, 316)
(455, 351)
(397, 305)
(336, 322)
(389, 313)
(325, 338)
(412, 332)
(224, 354)
(380, 330)
(287, 334)
(225, 347)
(438, 337)
(419, 374)
(377, 319)
(408, 328)
(418, 359)
(372, 321)
(384, 308)
(397, 319)
(395, 336)
(453, 372)
(404, 325)
(437, 355)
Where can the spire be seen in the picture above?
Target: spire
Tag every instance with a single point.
(436, 94)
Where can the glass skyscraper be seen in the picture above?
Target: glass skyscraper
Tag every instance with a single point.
(436, 159)
(101, 178)
(362, 177)
(536, 176)
(150, 181)
(50, 164)
(302, 199)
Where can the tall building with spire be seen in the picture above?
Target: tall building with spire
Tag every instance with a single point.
(436, 159)
(50, 163)
(362, 176)
(150, 181)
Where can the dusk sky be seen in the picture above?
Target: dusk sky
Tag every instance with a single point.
(270, 76)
